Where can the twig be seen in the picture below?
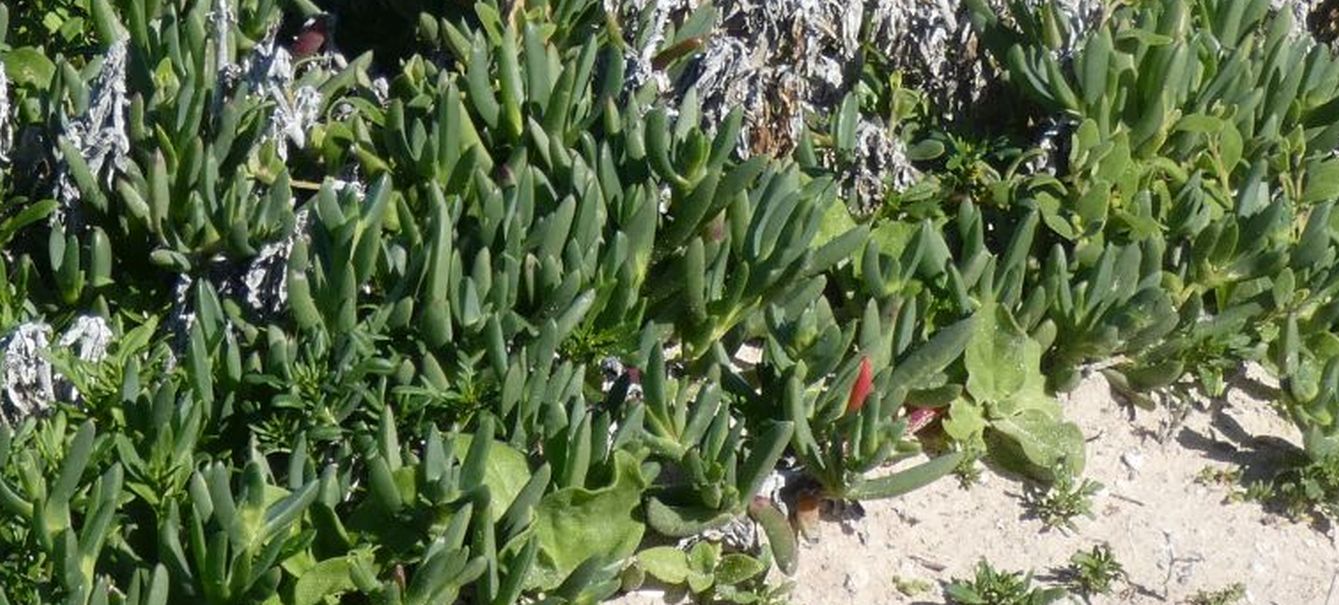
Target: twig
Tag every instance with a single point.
(1172, 560)
(934, 566)
(1126, 498)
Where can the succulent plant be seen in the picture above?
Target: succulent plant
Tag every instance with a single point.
(343, 325)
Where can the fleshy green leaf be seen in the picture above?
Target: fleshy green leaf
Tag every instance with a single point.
(505, 473)
(665, 563)
(1046, 442)
(1001, 359)
(574, 524)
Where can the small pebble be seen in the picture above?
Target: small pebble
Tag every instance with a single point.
(1132, 460)
(855, 581)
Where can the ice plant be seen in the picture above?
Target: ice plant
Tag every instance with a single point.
(541, 187)
(864, 381)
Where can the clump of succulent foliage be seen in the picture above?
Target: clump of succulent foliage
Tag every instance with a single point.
(530, 305)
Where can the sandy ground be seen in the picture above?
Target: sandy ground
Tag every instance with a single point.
(1174, 535)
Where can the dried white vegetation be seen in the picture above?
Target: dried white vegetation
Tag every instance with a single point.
(934, 46)
(1080, 18)
(643, 45)
(28, 384)
(264, 282)
(26, 374)
(788, 61)
(269, 72)
(6, 124)
(99, 133)
(1301, 12)
(780, 60)
(221, 21)
(880, 162)
(88, 336)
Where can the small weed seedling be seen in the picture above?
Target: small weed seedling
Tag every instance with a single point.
(992, 587)
(1210, 476)
(1224, 596)
(1094, 572)
(968, 471)
(1306, 492)
(1309, 491)
(1062, 502)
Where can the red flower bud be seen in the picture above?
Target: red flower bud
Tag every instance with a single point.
(864, 381)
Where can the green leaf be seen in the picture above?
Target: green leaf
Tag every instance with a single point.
(1046, 443)
(683, 521)
(703, 557)
(29, 215)
(1199, 123)
(1092, 205)
(699, 582)
(575, 524)
(1001, 359)
(933, 356)
(836, 222)
(1143, 36)
(1322, 182)
(925, 151)
(965, 422)
(780, 533)
(665, 563)
(890, 238)
(905, 481)
(848, 118)
(506, 471)
(327, 578)
(735, 568)
(27, 66)
(1094, 64)
(1231, 145)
